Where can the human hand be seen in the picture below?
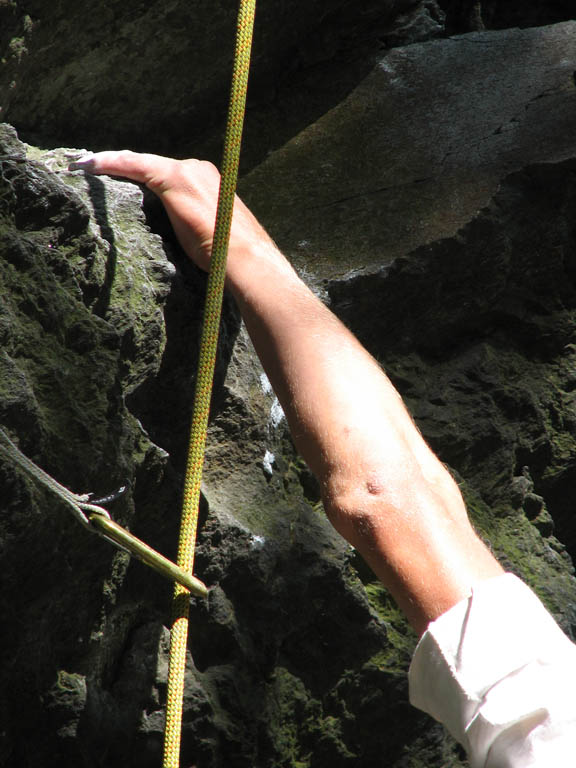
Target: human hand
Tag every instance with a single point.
(189, 191)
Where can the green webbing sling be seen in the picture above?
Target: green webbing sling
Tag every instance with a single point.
(205, 375)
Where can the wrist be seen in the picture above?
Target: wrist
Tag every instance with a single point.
(257, 267)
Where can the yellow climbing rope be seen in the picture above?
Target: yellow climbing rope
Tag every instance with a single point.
(205, 375)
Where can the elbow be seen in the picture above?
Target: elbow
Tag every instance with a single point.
(366, 507)
(359, 508)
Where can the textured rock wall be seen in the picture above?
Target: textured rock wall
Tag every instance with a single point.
(429, 193)
(412, 154)
(156, 76)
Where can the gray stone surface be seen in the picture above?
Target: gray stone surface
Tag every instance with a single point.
(419, 147)
(434, 208)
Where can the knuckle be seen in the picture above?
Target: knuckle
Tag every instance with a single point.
(126, 154)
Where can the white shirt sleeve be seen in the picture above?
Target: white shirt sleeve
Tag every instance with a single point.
(500, 674)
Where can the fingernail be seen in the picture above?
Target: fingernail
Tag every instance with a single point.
(84, 164)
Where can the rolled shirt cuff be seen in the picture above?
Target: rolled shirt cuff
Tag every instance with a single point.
(500, 674)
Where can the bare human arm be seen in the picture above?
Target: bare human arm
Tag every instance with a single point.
(382, 487)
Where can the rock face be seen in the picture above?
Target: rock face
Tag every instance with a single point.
(411, 155)
(157, 77)
(433, 205)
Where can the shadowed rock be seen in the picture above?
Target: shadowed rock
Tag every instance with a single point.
(155, 77)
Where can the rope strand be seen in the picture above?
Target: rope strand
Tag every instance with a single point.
(204, 380)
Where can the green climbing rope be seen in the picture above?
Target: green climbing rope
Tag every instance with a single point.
(205, 376)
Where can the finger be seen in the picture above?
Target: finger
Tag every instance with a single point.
(136, 166)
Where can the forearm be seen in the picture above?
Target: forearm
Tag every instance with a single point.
(304, 350)
(330, 388)
(383, 489)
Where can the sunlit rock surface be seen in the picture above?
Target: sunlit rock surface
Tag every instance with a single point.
(419, 147)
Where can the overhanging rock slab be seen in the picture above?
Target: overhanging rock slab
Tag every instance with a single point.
(419, 147)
